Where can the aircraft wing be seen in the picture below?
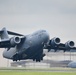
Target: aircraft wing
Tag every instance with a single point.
(56, 45)
(7, 43)
(1, 32)
(61, 46)
(10, 32)
(65, 47)
(13, 33)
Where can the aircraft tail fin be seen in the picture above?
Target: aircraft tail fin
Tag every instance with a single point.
(4, 34)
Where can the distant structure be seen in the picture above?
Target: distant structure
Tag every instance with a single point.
(72, 64)
(52, 59)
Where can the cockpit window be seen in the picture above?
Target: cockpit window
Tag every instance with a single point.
(38, 32)
(43, 30)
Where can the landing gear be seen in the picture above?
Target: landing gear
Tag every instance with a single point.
(16, 57)
(38, 58)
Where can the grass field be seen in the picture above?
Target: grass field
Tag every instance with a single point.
(51, 71)
(35, 73)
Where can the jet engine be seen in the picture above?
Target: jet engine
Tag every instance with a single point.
(69, 44)
(55, 41)
(15, 40)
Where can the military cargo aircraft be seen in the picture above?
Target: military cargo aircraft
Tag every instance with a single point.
(22, 47)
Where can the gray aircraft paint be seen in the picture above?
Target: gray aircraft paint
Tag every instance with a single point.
(31, 45)
(21, 47)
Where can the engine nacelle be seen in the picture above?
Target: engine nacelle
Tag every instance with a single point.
(69, 44)
(15, 40)
(55, 41)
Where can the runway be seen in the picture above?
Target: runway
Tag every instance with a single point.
(40, 70)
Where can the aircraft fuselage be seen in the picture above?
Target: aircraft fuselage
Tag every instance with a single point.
(30, 48)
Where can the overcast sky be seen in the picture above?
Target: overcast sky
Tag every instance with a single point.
(58, 17)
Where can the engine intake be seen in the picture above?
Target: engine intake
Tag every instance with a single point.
(15, 40)
(55, 41)
(69, 44)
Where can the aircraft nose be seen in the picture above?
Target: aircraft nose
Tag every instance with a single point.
(47, 35)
